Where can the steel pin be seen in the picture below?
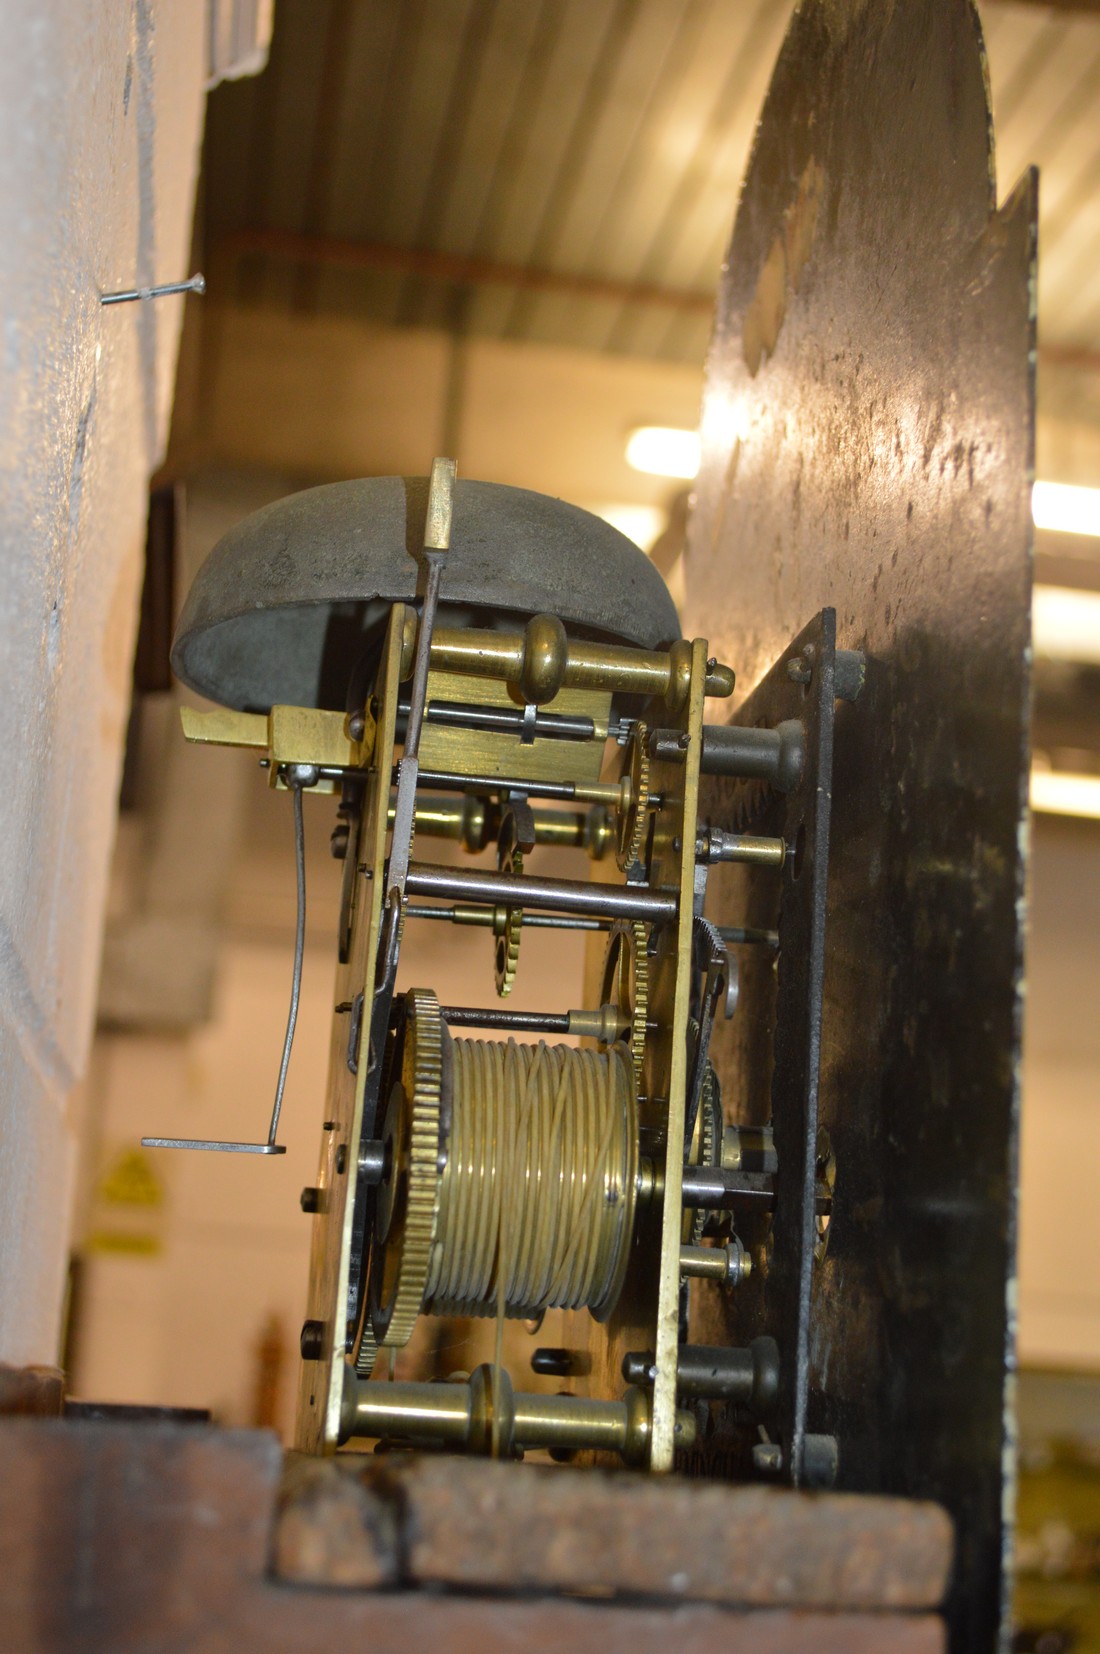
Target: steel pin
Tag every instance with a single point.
(194, 284)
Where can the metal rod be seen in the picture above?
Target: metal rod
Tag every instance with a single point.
(505, 720)
(437, 534)
(607, 1024)
(747, 934)
(613, 666)
(464, 819)
(710, 1187)
(748, 1376)
(437, 538)
(615, 901)
(587, 792)
(728, 1265)
(193, 284)
(716, 845)
(299, 956)
(713, 1188)
(484, 918)
(566, 827)
(213, 1145)
(438, 1411)
(533, 1022)
(468, 820)
(705, 1263)
(772, 755)
(485, 1414)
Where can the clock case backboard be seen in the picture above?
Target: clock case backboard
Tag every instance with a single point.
(868, 446)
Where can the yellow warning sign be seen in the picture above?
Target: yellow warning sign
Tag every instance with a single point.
(118, 1242)
(131, 1181)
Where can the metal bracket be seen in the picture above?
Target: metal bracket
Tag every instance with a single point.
(801, 687)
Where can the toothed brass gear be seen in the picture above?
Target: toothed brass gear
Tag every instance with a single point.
(626, 983)
(711, 1123)
(408, 1197)
(634, 812)
(507, 921)
(710, 1137)
(367, 1353)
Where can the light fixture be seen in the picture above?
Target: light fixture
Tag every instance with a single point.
(664, 451)
(640, 523)
(1065, 509)
(672, 451)
(1063, 793)
(1065, 624)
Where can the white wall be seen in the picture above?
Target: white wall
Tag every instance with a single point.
(326, 396)
(100, 118)
(1060, 1161)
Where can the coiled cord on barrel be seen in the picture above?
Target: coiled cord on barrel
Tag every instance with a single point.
(537, 1199)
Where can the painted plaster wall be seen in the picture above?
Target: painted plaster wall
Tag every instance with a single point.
(1060, 1146)
(327, 397)
(101, 107)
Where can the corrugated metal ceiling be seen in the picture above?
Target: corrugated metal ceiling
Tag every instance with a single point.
(567, 170)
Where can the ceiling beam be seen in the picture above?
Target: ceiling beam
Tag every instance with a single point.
(311, 251)
(451, 267)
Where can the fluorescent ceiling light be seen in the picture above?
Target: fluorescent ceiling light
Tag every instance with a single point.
(664, 451)
(1065, 624)
(640, 523)
(1061, 793)
(671, 451)
(1067, 510)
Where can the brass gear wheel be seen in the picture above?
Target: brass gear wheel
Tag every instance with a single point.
(626, 983)
(711, 1123)
(507, 921)
(408, 1197)
(367, 1353)
(710, 1138)
(634, 812)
